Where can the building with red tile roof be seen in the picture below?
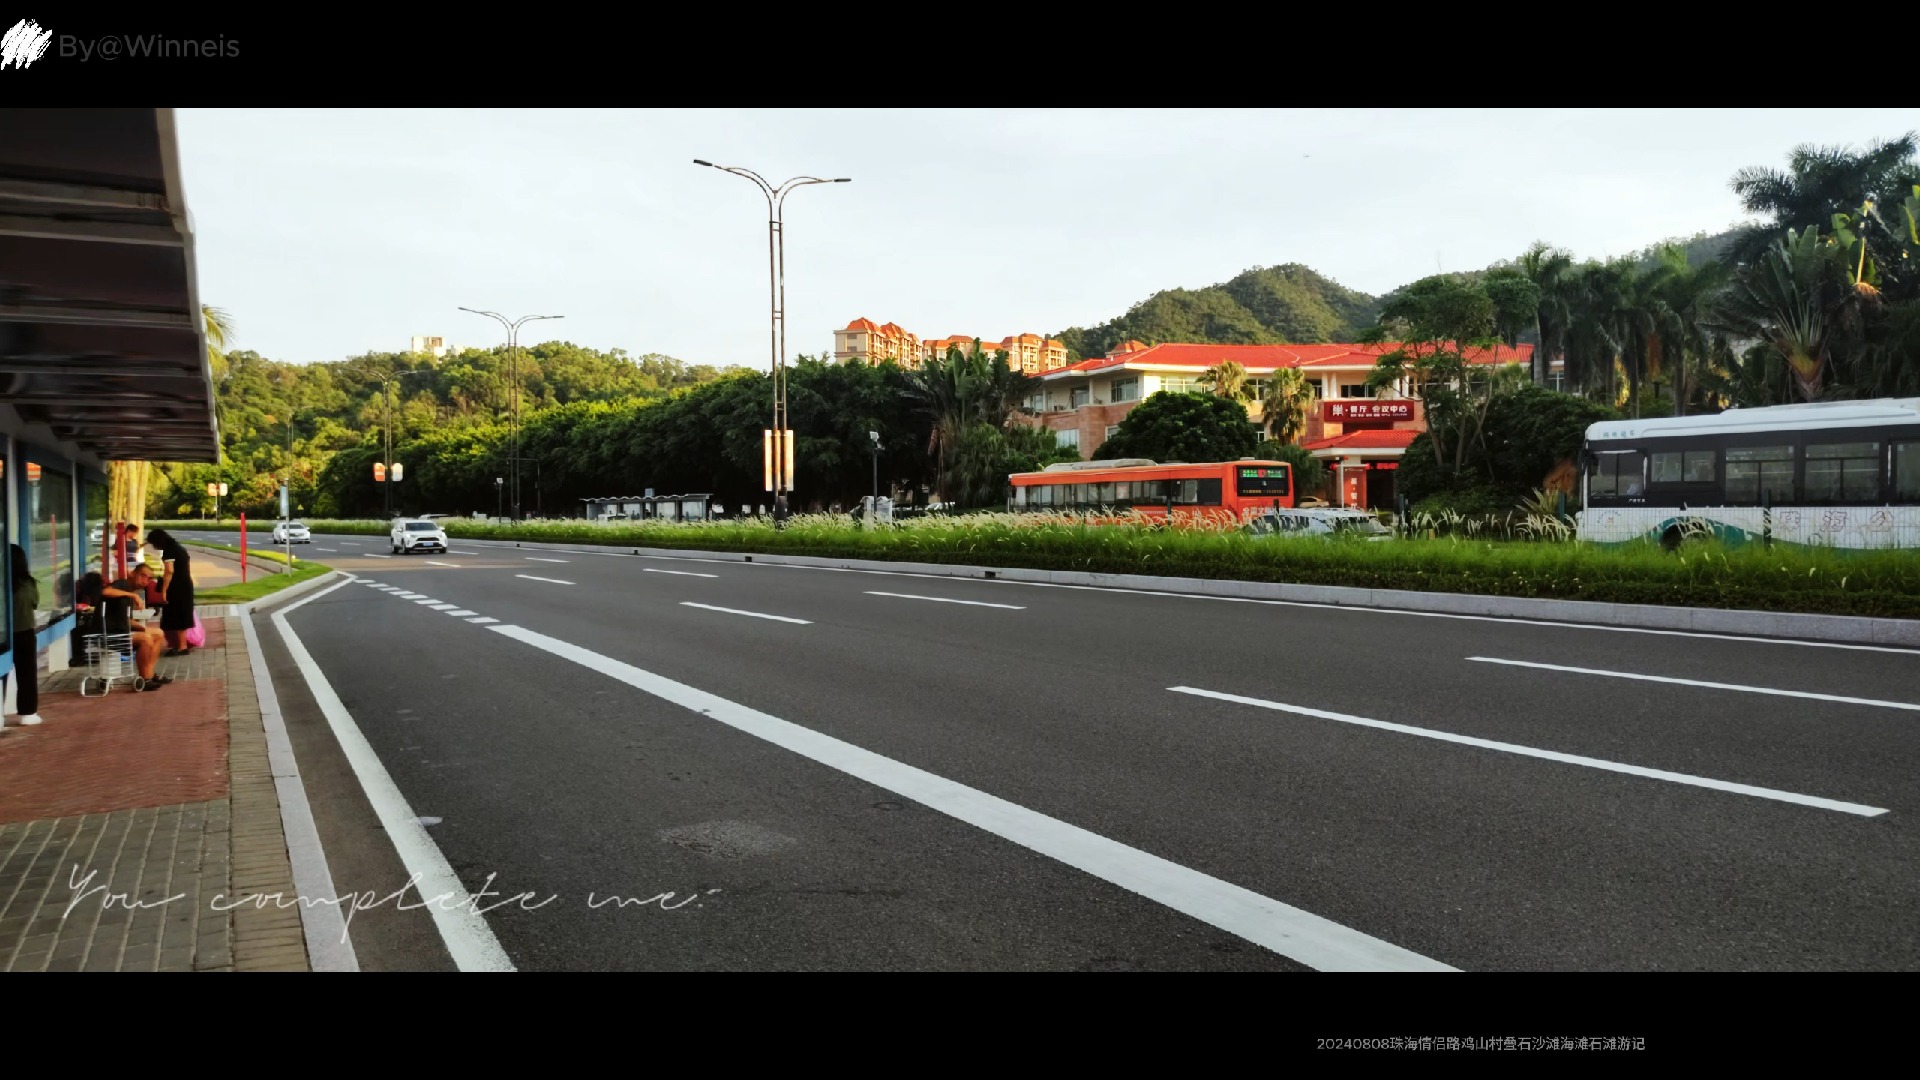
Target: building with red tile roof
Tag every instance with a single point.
(1353, 429)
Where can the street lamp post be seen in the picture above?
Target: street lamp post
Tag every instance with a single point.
(513, 359)
(779, 452)
(499, 483)
(386, 387)
(875, 436)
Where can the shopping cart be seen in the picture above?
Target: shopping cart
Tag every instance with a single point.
(109, 658)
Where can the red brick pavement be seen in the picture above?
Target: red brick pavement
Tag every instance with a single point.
(122, 751)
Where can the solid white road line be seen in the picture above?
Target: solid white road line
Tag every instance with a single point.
(371, 555)
(1314, 941)
(1908, 705)
(1341, 607)
(737, 611)
(535, 558)
(682, 573)
(468, 937)
(323, 925)
(946, 600)
(462, 613)
(552, 581)
(326, 549)
(455, 565)
(1548, 755)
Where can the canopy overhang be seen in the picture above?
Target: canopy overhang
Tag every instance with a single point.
(103, 349)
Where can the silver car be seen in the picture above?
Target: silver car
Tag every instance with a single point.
(291, 532)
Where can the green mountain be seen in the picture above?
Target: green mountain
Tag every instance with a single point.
(1263, 306)
(1286, 304)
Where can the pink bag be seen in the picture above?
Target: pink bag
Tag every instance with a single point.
(197, 636)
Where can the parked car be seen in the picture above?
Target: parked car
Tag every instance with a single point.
(291, 532)
(417, 534)
(1319, 522)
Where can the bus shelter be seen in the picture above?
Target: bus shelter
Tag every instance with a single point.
(649, 508)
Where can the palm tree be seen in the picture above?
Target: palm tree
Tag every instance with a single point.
(1795, 299)
(1821, 181)
(1286, 404)
(219, 327)
(1552, 271)
(1229, 380)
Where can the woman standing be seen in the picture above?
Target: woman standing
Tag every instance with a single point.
(176, 584)
(26, 599)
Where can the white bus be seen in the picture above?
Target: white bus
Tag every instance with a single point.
(1840, 474)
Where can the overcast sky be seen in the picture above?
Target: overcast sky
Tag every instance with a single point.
(327, 234)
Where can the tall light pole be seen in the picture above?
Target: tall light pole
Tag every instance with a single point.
(513, 358)
(386, 387)
(779, 453)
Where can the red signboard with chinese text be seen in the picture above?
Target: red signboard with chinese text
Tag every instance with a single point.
(1363, 410)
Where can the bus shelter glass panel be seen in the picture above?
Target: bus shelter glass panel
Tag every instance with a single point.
(50, 542)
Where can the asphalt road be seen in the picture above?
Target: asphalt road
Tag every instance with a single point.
(992, 775)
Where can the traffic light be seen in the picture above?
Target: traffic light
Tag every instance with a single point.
(379, 473)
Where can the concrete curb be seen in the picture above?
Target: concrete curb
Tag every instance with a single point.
(1834, 628)
(288, 593)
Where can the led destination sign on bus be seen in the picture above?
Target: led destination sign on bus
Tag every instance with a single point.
(1267, 481)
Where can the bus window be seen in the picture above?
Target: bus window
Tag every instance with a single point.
(1103, 493)
(1843, 472)
(1618, 473)
(1209, 491)
(1123, 491)
(1698, 468)
(1906, 471)
(1681, 467)
(1184, 492)
(1154, 490)
(1753, 471)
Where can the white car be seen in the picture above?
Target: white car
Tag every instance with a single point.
(1328, 522)
(417, 534)
(291, 532)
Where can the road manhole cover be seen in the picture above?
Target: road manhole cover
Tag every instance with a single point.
(727, 839)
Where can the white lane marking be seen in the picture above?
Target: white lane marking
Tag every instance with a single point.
(462, 613)
(325, 929)
(535, 558)
(1908, 705)
(1303, 936)
(682, 573)
(371, 555)
(463, 553)
(1343, 607)
(946, 600)
(326, 549)
(455, 565)
(428, 600)
(468, 938)
(549, 580)
(1548, 755)
(737, 611)
(483, 620)
(439, 606)
(409, 595)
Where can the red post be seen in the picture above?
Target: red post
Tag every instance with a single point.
(243, 549)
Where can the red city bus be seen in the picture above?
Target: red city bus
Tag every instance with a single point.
(1223, 493)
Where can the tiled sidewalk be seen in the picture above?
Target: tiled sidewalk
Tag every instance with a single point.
(126, 819)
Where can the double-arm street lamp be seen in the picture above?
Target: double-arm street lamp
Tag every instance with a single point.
(513, 354)
(779, 440)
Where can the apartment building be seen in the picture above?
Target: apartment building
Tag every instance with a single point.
(432, 346)
(864, 341)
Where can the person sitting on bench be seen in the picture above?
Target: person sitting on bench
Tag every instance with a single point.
(118, 601)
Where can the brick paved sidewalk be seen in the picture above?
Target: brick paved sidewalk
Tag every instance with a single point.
(124, 817)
